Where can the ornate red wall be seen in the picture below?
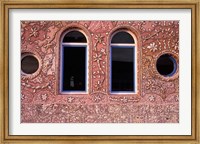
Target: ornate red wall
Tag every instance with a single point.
(157, 99)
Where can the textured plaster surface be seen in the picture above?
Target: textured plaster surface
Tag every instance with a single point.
(157, 97)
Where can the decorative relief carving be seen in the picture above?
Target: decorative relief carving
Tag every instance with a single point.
(100, 113)
(99, 63)
(158, 101)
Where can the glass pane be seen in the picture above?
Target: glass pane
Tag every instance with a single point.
(29, 64)
(75, 36)
(122, 37)
(166, 65)
(122, 69)
(74, 69)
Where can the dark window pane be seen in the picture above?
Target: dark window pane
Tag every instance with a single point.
(122, 37)
(29, 64)
(75, 36)
(122, 69)
(74, 68)
(166, 65)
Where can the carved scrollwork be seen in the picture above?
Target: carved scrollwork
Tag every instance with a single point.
(157, 100)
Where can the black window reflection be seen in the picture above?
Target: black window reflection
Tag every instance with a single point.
(74, 68)
(122, 69)
(74, 37)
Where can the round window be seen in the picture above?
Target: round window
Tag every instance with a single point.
(29, 64)
(166, 65)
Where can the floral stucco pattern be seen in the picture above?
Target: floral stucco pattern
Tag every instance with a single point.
(156, 99)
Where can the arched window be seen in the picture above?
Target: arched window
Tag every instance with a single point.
(73, 62)
(123, 63)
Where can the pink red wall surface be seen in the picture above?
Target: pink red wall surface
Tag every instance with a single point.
(157, 97)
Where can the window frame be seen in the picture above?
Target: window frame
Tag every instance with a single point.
(135, 70)
(24, 54)
(74, 44)
(171, 57)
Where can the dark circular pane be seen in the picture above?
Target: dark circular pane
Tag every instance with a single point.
(29, 64)
(122, 37)
(74, 36)
(166, 65)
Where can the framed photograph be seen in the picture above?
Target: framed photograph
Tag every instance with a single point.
(99, 72)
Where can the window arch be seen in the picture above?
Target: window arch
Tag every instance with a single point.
(73, 62)
(123, 62)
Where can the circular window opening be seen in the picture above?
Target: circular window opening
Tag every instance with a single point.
(166, 65)
(29, 64)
